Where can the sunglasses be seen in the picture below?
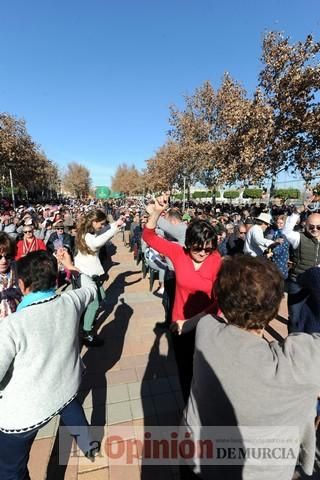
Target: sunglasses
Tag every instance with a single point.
(7, 257)
(59, 228)
(206, 250)
(27, 231)
(242, 233)
(314, 227)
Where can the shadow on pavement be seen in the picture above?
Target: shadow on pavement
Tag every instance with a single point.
(98, 361)
(157, 362)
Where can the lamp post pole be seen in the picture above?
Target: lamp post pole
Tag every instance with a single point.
(184, 194)
(12, 191)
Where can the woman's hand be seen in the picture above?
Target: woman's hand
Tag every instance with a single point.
(280, 240)
(120, 222)
(155, 210)
(64, 257)
(176, 327)
(161, 203)
(150, 208)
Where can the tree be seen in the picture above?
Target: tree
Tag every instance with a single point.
(190, 131)
(31, 169)
(290, 80)
(248, 144)
(205, 129)
(223, 137)
(127, 180)
(77, 180)
(163, 169)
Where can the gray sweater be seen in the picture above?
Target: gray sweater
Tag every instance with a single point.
(40, 365)
(176, 231)
(241, 380)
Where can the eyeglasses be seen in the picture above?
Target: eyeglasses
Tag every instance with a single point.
(6, 257)
(314, 227)
(242, 233)
(206, 250)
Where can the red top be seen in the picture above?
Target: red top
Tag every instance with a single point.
(24, 247)
(193, 287)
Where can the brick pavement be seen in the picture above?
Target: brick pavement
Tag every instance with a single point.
(130, 381)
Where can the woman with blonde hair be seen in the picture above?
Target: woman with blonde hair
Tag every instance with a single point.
(92, 234)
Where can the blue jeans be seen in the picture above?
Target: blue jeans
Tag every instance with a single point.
(15, 447)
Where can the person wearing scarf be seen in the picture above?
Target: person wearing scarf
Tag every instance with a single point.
(29, 243)
(41, 369)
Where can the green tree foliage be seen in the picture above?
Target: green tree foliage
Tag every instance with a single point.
(203, 194)
(293, 193)
(252, 193)
(231, 194)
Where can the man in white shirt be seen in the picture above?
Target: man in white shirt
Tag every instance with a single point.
(306, 254)
(255, 243)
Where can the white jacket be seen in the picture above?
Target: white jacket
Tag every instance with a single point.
(256, 243)
(90, 264)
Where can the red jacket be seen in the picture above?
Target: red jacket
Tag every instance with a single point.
(193, 287)
(24, 247)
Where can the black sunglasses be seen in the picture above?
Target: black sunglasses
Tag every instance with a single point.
(7, 257)
(314, 227)
(200, 249)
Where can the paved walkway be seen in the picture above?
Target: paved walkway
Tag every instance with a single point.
(130, 381)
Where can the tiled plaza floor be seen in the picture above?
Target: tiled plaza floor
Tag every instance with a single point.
(130, 382)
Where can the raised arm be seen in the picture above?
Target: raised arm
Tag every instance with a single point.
(97, 241)
(165, 247)
(292, 236)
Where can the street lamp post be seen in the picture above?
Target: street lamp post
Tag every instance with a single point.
(184, 194)
(12, 191)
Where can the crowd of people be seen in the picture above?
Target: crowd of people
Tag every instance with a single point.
(223, 271)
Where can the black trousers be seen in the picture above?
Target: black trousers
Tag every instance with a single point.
(169, 294)
(183, 346)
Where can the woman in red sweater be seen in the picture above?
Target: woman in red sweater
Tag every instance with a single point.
(196, 266)
(29, 243)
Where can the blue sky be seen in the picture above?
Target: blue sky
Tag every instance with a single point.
(94, 79)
